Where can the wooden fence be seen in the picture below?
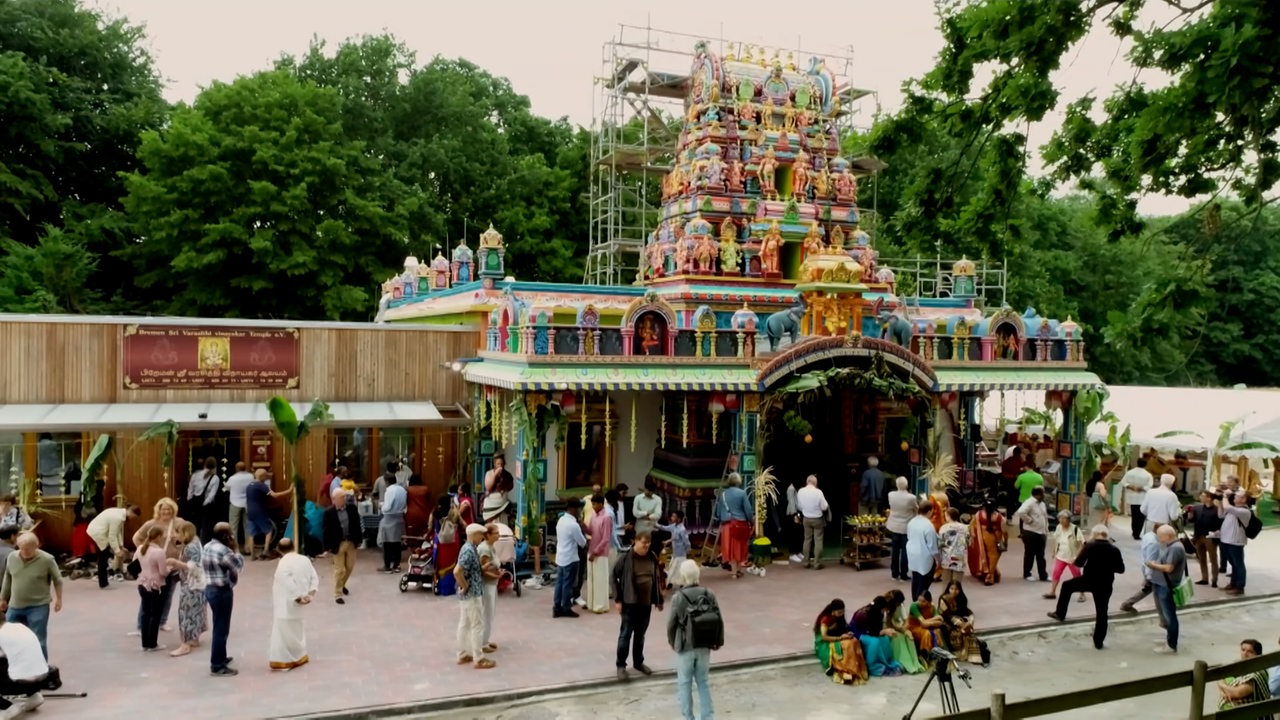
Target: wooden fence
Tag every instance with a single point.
(1198, 679)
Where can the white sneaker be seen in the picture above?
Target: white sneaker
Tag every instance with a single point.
(533, 583)
(134, 633)
(35, 701)
(797, 558)
(17, 708)
(1165, 650)
(579, 602)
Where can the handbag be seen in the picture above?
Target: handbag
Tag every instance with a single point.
(1188, 545)
(1183, 591)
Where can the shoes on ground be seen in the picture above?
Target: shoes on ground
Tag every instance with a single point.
(17, 708)
(579, 602)
(34, 702)
(340, 601)
(644, 669)
(797, 558)
(225, 672)
(1166, 650)
(622, 674)
(346, 591)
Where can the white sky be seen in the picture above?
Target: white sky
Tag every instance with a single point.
(552, 49)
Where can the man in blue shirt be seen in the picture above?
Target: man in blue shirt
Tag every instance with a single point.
(569, 539)
(395, 500)
(922, 549)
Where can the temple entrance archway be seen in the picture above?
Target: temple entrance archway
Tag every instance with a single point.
(830, 404)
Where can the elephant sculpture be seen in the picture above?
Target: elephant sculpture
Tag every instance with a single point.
(897, 329)
(783, 322)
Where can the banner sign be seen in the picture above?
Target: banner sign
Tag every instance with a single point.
(170, 356)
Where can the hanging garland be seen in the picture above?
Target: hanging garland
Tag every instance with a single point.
(608, 424)
(484, 408)
(715, 426)
(582, 432)
(684, 423)
(633, 423)
(662, 425)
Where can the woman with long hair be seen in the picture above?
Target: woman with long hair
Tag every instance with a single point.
(466, 507)
(925, 625)
(901, 643)
(165, 516)
(987, 533)
(958, 618)
(869, 627)
(192, 607)
(837, 649)
(417, 516)
(151, 586)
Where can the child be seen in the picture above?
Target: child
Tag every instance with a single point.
(679, 541)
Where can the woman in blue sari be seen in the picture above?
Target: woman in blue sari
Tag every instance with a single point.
(868, 624)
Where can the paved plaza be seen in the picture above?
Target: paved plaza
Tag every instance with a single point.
(386, 647)
(1025, 665)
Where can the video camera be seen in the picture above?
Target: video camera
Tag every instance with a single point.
(944, 658)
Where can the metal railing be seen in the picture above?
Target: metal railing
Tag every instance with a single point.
(1198, 678)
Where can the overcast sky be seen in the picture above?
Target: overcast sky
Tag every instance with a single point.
(551, 50)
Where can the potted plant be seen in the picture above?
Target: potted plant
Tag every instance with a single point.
(764, 489)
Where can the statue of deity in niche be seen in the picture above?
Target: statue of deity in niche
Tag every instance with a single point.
(767, 173)
(734, 180)
(730, 253)
(650, 339)
(800, 177)
(771, 251)
(812, 244)
(822, 185)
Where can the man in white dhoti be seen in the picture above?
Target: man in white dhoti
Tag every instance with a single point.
(599, 545)
(295, 585)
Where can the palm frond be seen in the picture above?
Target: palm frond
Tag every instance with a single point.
(764, 489)
(942, 473)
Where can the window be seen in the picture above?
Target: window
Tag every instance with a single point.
(351, 450)
(397, 445)
(58, 458)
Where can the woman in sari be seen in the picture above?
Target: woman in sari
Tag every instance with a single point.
(987, 543)
(877, 644)
(959, 623)
(466, 507)
(417, 516)
(924, 624)
(448, 536)
(902, 643)
(836, 647)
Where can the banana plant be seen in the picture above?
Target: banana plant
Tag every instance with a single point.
(1089, 408)
(764, 489)
(168, 431)
(1224, 446)
(292, 431)
(93, 467)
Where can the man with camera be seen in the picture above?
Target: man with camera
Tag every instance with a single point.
(1235, 513)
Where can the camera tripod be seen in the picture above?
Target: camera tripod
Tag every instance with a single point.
(946, 689)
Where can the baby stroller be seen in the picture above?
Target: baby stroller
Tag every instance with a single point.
(422, 569)
(504, 552)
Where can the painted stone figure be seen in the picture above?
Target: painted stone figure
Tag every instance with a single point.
(771, 251)
(768, 171)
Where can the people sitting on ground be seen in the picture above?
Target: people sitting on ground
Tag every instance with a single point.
(1246, 689)
(925, 624)
(958, 619)
(868, 625)
(837, 649)
(902, 642)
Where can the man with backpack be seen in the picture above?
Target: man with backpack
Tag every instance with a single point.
(694, 628)
(1239, 525)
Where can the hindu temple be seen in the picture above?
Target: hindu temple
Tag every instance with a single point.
(761, 329)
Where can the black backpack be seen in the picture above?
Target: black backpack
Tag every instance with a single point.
(1254, 527)
(703, 626)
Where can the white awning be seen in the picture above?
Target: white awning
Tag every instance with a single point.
(77, 417)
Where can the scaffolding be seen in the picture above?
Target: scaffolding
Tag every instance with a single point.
(640, 101)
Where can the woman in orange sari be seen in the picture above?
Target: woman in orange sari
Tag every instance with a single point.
(987, 532)
(837, 649)
(925, 624)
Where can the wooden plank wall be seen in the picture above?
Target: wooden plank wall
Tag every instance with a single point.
(58, 362)
(80, 363)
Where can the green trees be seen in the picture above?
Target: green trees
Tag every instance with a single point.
(76, 91)
(253, 202)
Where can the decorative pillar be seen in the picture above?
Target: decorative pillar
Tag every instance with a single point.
(1075, 440)
(483, 445)
(988, 348)
(628, 332)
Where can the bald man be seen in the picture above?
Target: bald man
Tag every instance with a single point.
(341, 536)
(25, 596)
(1168, 566)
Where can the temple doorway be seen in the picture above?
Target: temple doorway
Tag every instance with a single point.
(829, 421)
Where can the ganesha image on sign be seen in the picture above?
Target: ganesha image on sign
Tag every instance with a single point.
(214, 353)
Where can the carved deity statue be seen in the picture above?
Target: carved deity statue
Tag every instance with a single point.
(766, 115)
(837, 238)
(704, 254)
(767, 172)
(650, 342)
(789, 116)
(822, 185)
(714, 172)
(682, 256)
(846, 187)
(747, 114)
(803, 118)
(730, 253)
(771, 250)
(812, 244)
(800, 177)
(734, 176)
(657, 259)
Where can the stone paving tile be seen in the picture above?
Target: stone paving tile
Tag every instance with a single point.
(386, 647)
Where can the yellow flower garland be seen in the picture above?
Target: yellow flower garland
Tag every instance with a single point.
(633, 422)
(684, 423)
(582, 433)
(608, 425)
(662, 425)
